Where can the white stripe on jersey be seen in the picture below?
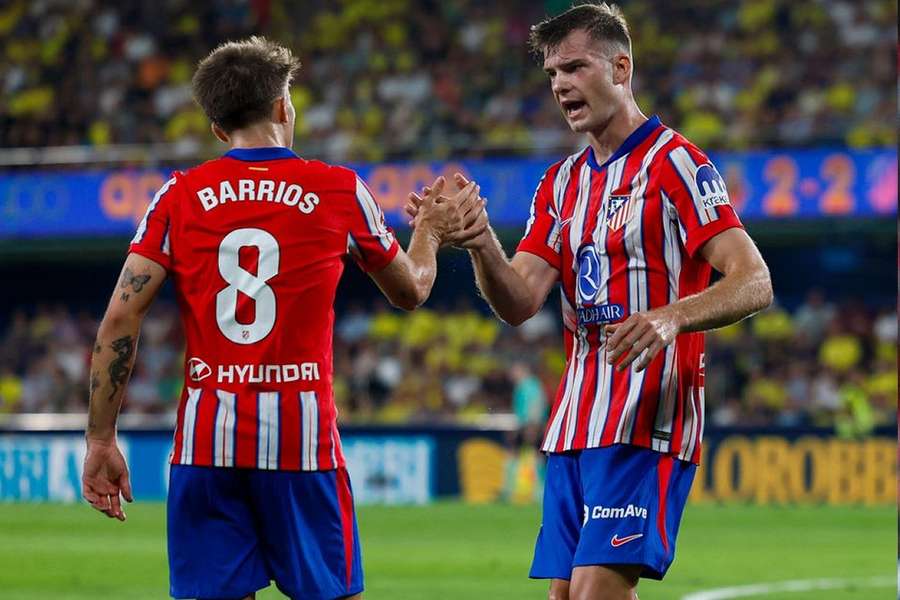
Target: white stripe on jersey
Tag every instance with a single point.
(372, 214)
(687, 169)
(701, 404)
(603, 389)
(638, 296)
(334, 461)
(688, 427)
(531, 216)
(579, 218)
(187, 426)
(561, 182)
(142, 227)
(669, 378)
(267, 450)
(310, 424)
(223, 436)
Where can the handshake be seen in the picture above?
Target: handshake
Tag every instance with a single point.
(458, 220)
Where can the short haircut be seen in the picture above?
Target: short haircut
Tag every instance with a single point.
(238, 82)
(602, 22)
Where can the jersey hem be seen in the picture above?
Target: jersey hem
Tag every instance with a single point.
(160, 258)
(339, 465)
(706, 233)
(383, 260)
(674, 454)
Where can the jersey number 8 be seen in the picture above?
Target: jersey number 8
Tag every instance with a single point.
(254, 286)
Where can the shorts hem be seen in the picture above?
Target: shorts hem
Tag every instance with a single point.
(181, 595)
(329, 596)
(648, 572)
(566, 577)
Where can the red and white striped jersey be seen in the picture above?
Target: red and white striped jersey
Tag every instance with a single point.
(625, 237)
(254, 242)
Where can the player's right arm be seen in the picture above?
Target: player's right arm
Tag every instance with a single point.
(516, 289)
(406, 280)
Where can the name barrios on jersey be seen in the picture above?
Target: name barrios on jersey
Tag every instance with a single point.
(264, 190)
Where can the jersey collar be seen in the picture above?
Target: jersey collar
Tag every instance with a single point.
(259, 154)
(637, 136)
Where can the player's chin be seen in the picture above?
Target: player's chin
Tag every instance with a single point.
(579, 126)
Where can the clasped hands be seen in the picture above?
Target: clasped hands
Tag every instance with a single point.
(454, 217)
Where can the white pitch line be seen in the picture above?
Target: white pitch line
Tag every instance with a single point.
(803, 585)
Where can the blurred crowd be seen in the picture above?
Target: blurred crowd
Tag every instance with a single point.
(822, 364)
(428, 78)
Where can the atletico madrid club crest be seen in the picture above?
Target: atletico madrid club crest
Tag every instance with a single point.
(618, 211)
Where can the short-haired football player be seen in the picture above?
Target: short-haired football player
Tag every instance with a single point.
(631, 228)
(254, 243)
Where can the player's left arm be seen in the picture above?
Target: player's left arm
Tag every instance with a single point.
(105, 474)
(744, 289)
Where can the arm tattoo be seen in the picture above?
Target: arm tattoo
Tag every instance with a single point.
(95, 385)
(120, 367)
(135, 281)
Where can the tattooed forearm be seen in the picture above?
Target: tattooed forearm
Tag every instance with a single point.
(92, 419)
(136, 282)
(120, 367)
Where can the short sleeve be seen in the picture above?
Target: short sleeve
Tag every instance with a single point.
(698, 197)
(369, 240)
(542, 232)
(151, 239)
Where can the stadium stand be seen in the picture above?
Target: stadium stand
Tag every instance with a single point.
(806, 367)
(447, 77)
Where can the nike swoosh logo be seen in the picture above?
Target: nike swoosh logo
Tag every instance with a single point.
(617, 541)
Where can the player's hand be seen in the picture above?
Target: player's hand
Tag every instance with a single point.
(642, 334)
(454, 220)
(476, 235)
(105, 478)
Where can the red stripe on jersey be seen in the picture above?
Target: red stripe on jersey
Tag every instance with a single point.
(658, 295)
(680, 404)
(619, 294)
(290, 434)
(246, 435)
(323, 455)
(698, 427)
(594, 361)
(338, 448)
(178, 444)
(204, 430)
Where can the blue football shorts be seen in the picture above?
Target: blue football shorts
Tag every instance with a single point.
(619, 505)
(232, 531)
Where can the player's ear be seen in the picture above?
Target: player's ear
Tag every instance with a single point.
(621, 69)
(280, 110)
(220, 133)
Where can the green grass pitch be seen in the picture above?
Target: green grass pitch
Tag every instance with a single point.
(451, 551)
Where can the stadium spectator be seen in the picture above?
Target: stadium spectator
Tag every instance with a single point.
(402, 78)
(386, 364)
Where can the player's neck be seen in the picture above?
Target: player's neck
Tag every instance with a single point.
(257, 137)
(605, 140)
